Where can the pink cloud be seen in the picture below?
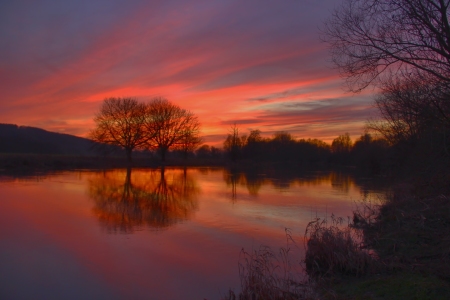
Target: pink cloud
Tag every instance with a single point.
(227, 62)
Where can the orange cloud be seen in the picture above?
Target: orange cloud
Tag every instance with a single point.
(253, 65)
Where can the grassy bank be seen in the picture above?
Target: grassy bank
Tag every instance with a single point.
(405, 243)
(399, 249)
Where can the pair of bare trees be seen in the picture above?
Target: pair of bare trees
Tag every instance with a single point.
(159, 124)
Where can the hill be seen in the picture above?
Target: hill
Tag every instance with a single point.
(24, 139)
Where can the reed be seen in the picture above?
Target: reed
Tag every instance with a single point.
(335, 250)
(266, 274)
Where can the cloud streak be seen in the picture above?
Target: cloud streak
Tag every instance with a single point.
(257, 63)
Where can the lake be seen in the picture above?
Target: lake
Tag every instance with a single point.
(152, 233)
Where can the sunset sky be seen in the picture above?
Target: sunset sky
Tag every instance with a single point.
(260, 64)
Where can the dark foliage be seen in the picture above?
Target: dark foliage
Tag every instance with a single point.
(367, 154)
(409, 232)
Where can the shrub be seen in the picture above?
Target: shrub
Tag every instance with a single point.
(334, 250)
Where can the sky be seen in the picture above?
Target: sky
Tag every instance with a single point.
(258, 64)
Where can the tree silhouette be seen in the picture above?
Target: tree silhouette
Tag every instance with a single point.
(171, 126)
(282, 147)
(373, 41)
(341, 148)
(254, 146)
(410, 108)
(189, 142)
(234, 143)
(403, 48)
(342, 144)
(120, 122)
(369, 154)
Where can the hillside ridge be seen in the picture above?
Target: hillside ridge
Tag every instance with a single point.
(34, 140)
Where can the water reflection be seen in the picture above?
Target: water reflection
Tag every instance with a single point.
(284, 179)
(341, 181)
(125, 200)
(252, 181)
(56, 221)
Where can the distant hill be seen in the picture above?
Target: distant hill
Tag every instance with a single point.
(23, 139)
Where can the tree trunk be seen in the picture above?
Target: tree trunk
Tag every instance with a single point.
(128, 152)
(163, 154)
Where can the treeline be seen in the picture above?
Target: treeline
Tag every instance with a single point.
(366, 152)
(162, 128)
(410, 137)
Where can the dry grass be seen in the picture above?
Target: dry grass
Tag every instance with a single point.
(265, 274)
(335, 250)
(332, 251)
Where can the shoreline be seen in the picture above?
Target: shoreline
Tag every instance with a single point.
(10, 162)
(52, 162)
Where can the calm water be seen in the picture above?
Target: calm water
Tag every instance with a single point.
(148, 234)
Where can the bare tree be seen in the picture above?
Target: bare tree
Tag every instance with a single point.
(188, 143)
(408, 108)
(190, 135)
(373, 40)
(171, 126)
(403, 48)
(234, 143)
(120, 122)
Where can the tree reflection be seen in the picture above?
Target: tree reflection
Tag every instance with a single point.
(253, 181)
(341, 181)
(284, 179)
(126, 200)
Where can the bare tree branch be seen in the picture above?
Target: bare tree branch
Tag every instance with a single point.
(120, 122)
(171, 127)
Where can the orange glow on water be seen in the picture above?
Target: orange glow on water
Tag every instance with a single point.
(174, 233)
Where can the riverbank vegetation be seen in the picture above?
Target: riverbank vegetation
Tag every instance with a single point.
(402, 251)
(400, 47)
(397, 249)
